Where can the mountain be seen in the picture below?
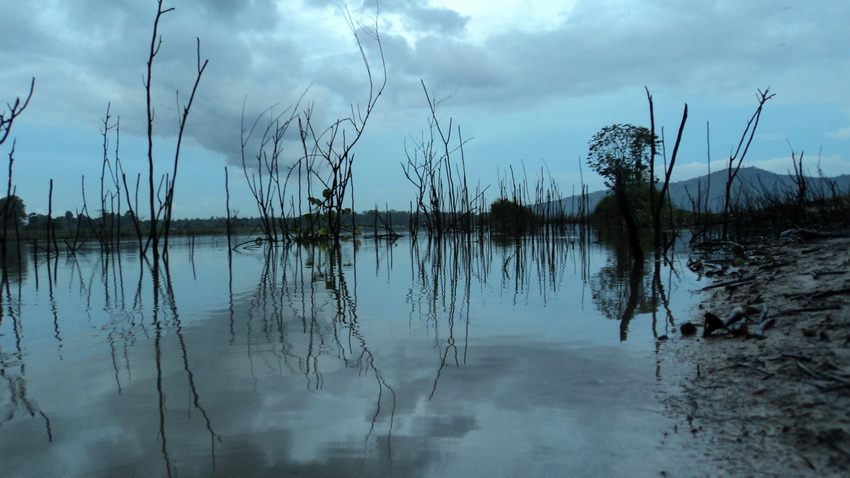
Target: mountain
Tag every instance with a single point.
(751, 184)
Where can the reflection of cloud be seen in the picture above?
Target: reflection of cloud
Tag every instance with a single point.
(559, 400)
(288, 390)
(450, 426)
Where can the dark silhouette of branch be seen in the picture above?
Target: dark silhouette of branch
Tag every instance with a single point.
(736, 158)
(15, 110)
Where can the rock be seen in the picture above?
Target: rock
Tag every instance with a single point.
(688, 329)
(712, 323)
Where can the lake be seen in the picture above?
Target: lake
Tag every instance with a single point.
(403, 358)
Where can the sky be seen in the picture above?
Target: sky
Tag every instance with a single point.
(528, 83)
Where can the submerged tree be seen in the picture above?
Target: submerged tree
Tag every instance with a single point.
(161, 208)
(621, 154)
(324, 164)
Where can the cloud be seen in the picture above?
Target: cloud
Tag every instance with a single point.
(499, 63)
(843, 133)
(436, 20)
(813, 165)
(270, 52)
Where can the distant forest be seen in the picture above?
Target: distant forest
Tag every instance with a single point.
(753, 182)
(70, 224)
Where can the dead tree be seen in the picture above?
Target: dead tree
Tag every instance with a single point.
(159, 207)
(656, 198)
(737, 157)
(7, 119)
(329, 153)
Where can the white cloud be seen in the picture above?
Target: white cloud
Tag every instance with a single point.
(843, 133)
(813, 165)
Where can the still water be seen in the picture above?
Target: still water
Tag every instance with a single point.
(377, 359)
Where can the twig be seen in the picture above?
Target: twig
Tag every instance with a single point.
(813, 309)
(821, 375)
(757, 369)
(828, 293)
(737, 282)
(808, 369)
(796, 356)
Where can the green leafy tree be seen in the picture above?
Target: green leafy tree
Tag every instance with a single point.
(621, 154)
(11, 208)
(508, 217)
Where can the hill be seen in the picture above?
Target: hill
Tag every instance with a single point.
(751, 184)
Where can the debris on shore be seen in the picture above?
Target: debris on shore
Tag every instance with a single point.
(766, 388)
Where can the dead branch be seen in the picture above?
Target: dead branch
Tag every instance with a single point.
(15, 110)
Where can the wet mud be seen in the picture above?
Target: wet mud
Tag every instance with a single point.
(771, 402)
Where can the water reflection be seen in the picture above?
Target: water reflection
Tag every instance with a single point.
(307, 314)
(622, 288)
(13, 365)
(370, 359)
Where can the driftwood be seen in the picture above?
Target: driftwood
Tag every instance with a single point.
(808, 234)
(737, 323)
(766, 324)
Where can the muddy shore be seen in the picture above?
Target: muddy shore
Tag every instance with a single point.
(777, 403)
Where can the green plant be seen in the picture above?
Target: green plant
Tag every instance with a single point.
(622, 154)
(327, 215)
(508, 217)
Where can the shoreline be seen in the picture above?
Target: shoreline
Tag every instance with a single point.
(778, 405)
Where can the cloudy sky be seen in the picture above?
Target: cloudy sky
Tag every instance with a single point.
(528, 82)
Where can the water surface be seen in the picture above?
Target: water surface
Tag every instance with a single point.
(375, 359)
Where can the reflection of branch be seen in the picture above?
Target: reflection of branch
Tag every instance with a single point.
(382, 384)
(635, 281)
(158, 358)
(443, 287)
(309, 291)
(659, 295)
(450, 345)
(160, 389)
(346, 313)
(164, 300)
(310, 364)
(18, 391)
(196, 399)
(17, 382)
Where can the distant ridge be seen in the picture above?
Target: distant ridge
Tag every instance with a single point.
(750, 183)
